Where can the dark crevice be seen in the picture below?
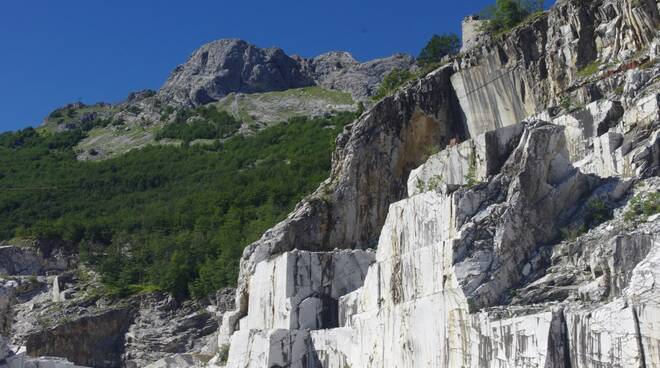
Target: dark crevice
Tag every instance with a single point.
(558, 351)
(459, 119)
(638, 336)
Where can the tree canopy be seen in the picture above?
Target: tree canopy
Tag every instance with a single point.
(438, 47)
(166, 217)
(506, 14)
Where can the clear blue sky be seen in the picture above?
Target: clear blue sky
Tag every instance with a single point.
(55, 52)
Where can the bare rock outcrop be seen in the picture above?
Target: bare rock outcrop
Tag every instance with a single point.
(225, 66)
(231, 65)
(340, 71)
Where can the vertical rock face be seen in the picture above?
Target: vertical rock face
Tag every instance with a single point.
(485, 264)
(501, 82)
(370, 167)
(162, 327)
(622, 333)
(94, 341)
(476, 244)
(472, 160)
(300, 290)
(7, 299)
(290, 295)
(497, 191)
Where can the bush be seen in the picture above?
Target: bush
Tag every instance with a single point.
(589, 70)
(506, 14)
(646, 205)
(572, 233)
(471, 176)
(438, 47)
(211, 123)
(597, 212)
(392, 81)
(434, 182)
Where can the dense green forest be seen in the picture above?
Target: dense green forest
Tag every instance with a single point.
(212, 124)
(173, 218)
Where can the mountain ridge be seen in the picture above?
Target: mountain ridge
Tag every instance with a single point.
(234, 65)
(211, 74)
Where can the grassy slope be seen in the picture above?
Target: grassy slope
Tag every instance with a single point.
(138, 131)
(272, 107)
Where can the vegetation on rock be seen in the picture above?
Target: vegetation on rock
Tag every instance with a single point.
(438, 47)
(506, 14)
(589, 70)
(209, 123)
(646, 205)
(392, 81)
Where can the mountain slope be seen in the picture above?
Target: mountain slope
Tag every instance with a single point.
(251, 83)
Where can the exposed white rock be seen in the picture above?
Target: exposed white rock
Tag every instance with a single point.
(471, 32)
(473, 247)
(474, 160)
(607, 158)
(300, 290)
(492, 96)
(645, 112)
(289, 295)
(56, 291)
(623, 333)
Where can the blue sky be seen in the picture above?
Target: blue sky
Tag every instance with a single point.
(55, 52)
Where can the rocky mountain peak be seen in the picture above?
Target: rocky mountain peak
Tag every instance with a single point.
(232, 65)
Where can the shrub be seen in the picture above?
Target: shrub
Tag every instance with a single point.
(133, 109)
(434, 182)
(589, 69)
(438, 47)
(646, 205)
(392, 81)
(597, 212)
(55, 114)
(223, 354)
(571, 233)
(420, 185)
(210, 124)
(431, 150)
(471, 177)
(506, 14)
(360, 108)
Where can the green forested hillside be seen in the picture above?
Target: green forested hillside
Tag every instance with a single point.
(176, 218)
